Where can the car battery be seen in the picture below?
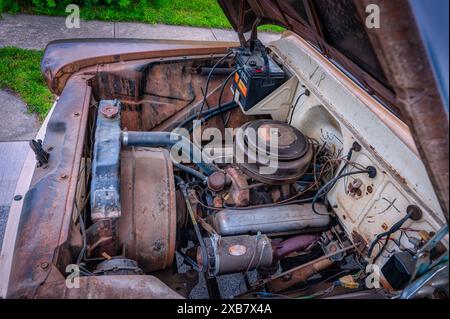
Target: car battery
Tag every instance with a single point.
(257, 76)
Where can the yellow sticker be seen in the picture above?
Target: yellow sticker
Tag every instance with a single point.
(242, 88)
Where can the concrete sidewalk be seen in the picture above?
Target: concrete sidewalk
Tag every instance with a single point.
(16, 124)
(34, 32)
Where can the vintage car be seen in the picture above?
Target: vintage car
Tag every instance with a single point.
(314, 166)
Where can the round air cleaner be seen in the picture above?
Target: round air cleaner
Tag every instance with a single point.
(273, 152)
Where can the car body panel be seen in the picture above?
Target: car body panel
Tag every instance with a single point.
(48, 204)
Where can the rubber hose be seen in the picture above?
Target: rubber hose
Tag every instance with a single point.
(166, 139)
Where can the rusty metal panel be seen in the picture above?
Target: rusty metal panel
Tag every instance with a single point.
(154, 93)
(147, 227)
(110, 287)
(48, 205)
(62, 58)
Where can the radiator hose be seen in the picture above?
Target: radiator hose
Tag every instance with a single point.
(168, 140)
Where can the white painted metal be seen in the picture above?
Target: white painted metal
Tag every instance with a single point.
(339, 112)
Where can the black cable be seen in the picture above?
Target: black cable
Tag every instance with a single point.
(370, 170)
(207, 82)
(234, 93)
(191, 171)
(304, 93)
(229, 113)
(392, 230)
(355, 147)
(382, 248)
(190, 261)
(208, 114)
(178, 180)
(223, 89)
(229, 107)
(329, 185)
(266, 60)
(204, 113)
(225, 122)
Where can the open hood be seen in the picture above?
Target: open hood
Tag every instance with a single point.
(334, 27)
(389, 61)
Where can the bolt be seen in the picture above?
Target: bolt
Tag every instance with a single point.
(354, 187)
(109, 111)
(76, 114)
(332, 248)
(63, 176)
(17, 197)
(45, 265)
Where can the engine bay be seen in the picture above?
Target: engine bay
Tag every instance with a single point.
(197, 169)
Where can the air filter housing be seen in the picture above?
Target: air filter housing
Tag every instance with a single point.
(288, 156)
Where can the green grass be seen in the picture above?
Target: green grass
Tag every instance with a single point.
(198, 13)
(20, 72)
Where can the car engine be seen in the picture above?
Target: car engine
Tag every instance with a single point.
(252, 203)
